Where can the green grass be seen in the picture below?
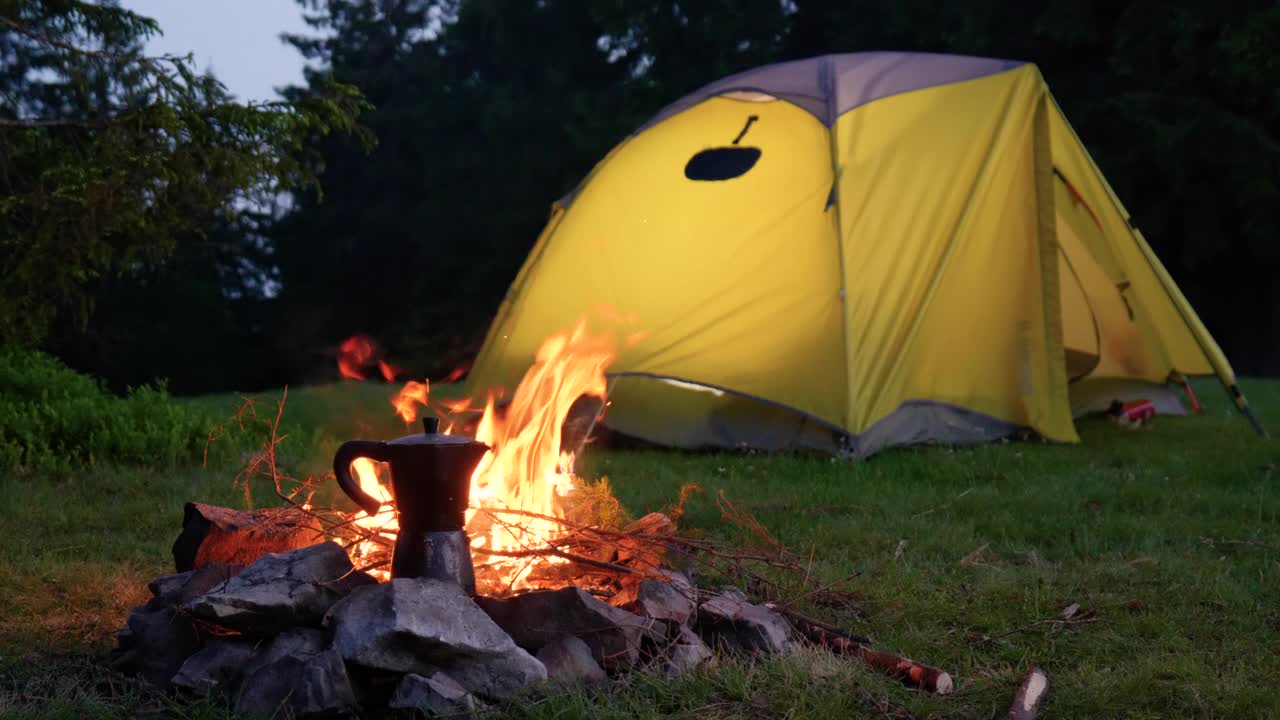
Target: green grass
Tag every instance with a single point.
(1170, 537)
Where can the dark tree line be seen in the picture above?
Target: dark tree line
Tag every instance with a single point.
(120, 179)
(485, 111)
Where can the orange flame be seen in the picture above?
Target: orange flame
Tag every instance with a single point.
(389, 371)
(525, 468)
(404, 401)
(456, 374)
(457, 406)
(384, 523)
(355, 353)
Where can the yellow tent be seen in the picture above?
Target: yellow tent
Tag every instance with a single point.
(857, 251)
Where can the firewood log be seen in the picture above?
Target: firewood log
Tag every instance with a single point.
(907, 671)
(1030, 696)
(239, 537)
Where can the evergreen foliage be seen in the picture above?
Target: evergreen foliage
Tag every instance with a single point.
(109, 157)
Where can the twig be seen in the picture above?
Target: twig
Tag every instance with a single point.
(746, 521)
(944, 506)
(796, 617)
(825, 587)
(972, 557)
(554, 552)
(1083, 619)
(247, 405)
(1248, 543)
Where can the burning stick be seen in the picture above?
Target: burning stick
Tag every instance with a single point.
(1030, 696)
(551, 551)
(909, 672)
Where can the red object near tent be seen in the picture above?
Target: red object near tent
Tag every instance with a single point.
(1134, 411)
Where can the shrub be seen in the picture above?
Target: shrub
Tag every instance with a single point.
(53, 418)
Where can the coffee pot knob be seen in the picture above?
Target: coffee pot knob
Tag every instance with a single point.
(430, 424)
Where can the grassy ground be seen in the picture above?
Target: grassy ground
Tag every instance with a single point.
(1168, 539)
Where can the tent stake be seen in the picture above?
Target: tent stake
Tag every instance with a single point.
(1238, 397)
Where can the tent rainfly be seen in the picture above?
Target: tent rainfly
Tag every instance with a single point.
(853, 252)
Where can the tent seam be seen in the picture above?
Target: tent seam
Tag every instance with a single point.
(846, 416)
(1049, 249)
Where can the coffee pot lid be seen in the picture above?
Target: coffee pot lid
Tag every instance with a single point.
(431, 436)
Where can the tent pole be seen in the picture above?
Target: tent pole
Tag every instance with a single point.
(1194, 326)
(1241, 402)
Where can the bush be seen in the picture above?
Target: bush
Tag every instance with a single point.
(53, 418)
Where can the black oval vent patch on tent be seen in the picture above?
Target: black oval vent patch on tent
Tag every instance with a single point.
(722, 163)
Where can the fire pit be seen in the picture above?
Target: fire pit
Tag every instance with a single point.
(329, 613)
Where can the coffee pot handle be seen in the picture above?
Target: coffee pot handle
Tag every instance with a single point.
(347, 453)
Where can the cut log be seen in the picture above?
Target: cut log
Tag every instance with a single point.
(909, 672)
(1030, 696)
(212, 534)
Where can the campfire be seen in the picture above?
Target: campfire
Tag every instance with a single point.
(478, 566)
(523, 488)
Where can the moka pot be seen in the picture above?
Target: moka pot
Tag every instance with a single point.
(430, 484)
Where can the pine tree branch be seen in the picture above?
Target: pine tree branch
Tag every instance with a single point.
(119, 58)
(57, 122)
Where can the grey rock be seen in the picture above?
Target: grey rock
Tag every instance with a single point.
(166, 588)
(686, 652)
(280, 590)
(300, 643)
(435, 694)
(664, 600)
(154, 643)
(416, 625)
(178, 588)
(732, 593)
(206, 579)
(534, 619)
(682, 579)
(569, 662)
(501, 677)
(314, 687)
(737, 625)
(216, 667)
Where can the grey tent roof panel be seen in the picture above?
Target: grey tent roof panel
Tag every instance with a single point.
(829, 86)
